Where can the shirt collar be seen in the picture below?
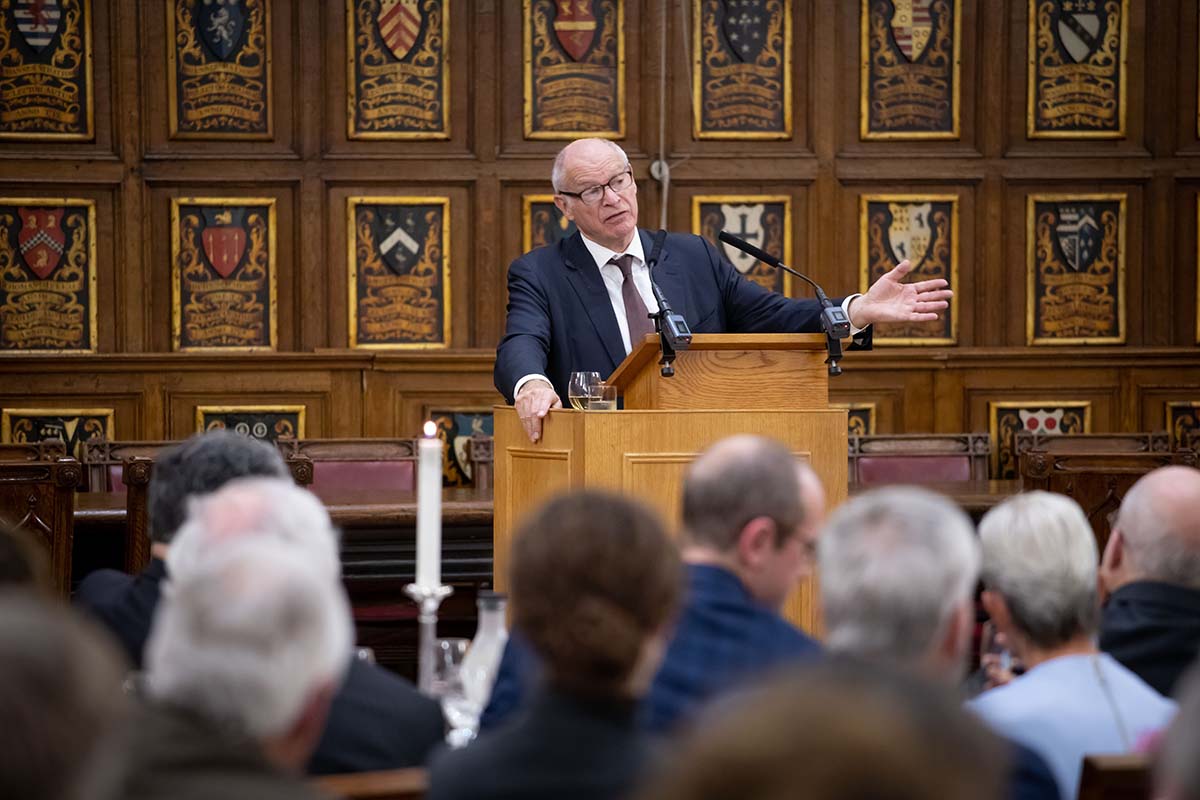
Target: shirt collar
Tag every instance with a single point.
(602, 255)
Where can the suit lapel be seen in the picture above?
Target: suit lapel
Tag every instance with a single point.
(585, 279)
(668, 275)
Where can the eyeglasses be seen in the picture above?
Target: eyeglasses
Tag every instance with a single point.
(594, 194)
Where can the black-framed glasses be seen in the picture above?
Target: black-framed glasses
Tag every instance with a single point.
(594, 194)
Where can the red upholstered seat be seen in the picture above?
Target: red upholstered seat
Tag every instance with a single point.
(913, 469)
(115, 484)
(337, 475)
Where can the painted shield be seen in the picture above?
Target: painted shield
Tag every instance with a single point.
(1079, 236)
(910, 232)
(37, 20)
(912, 26)
(745, 27)
(221, 24)
(744, 222)
(575, 26)
(224, 239)
(400, 248)
(41, 239)
(1079, 29)
(1042, 422)
(399, 25)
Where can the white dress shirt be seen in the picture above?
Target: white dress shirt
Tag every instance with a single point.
(613, 280)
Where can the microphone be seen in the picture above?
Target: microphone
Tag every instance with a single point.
(834, 321)
(672, 327)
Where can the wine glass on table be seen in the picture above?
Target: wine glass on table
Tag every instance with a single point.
(453, 687)
(581, 388)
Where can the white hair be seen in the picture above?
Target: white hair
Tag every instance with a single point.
(274, 508)
(248, 636)
(558, 171)
(894, 564)
(1160, 523)
(1039, 552)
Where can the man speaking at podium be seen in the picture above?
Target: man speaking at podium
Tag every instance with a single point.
(579, 305)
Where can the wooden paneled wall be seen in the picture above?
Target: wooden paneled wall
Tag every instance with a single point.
(133, 168)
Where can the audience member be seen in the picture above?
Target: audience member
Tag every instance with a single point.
(1151, 576)
(202, 464)
(247, 650)
(1039, 574)
(751, 514)
(1178, 769)
(62, 709)
(378, 719)
(837, 731)
(898, 572)
(595, 585)
(22, 562)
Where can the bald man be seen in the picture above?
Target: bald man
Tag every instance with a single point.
(1150, 574)
(582, 304)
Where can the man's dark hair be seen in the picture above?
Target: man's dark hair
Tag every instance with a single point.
(594, 575)
(736, 480)
(61, 702)
(200, 465)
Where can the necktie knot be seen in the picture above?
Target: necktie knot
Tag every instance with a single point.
(625, 264)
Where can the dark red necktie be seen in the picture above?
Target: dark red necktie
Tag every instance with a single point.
(636, 314)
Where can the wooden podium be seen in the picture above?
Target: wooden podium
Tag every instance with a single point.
(771, 384)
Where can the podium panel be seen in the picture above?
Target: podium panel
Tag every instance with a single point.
(645, 454)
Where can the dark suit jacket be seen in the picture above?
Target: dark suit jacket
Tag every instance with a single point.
(178, 755)
(1153, 629)
(560, 319)
(377, 719)
(562, 746)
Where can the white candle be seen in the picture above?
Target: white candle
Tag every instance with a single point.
(429, 509)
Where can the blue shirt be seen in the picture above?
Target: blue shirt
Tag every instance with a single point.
(723, 637)
(1063, 710)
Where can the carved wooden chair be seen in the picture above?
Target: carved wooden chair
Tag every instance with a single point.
(1115, 777)
(392, 784)
(1155, 442)
(39, 497)
(47, 450)
(104, 461)
(479, 451)
(332, 464)
(919, 458)
(1097, 480)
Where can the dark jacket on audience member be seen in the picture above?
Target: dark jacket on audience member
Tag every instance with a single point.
(563, 745)
(377, 719)
(1030, 777)
(1153, 628)
(178, 755)
(723, 637)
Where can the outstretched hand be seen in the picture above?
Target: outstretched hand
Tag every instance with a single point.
(891, 300)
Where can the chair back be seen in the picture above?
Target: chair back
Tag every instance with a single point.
(1115, 777)
(349, 464)
(45, 450)
(39, 497)
(918, 458)
(1097, 481)
(392, 784)
(104, 461)
(1154, 442)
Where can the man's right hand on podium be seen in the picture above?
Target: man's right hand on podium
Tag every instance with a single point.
(534, 400)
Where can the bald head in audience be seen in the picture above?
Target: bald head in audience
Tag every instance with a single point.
(1157, 532)
(837, 731)
(898, 571)
(749, 506)
(1150, 578)
(61, 705)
